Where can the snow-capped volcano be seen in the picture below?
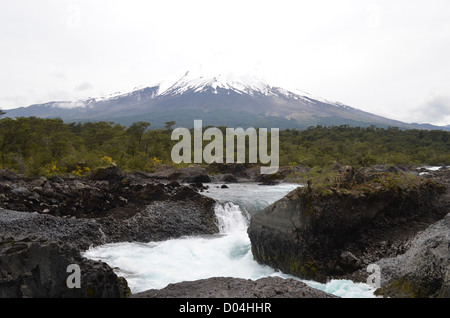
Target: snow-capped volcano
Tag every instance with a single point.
(217, 72)
(192, 80)
(219, 96)
(220, 77)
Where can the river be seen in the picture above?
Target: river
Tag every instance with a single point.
(154, 265)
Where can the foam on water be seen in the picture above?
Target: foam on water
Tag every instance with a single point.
(344, 288)
(154, 265)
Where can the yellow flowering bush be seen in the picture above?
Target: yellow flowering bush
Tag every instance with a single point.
(52, 171)
(108, 160)
(80, 171)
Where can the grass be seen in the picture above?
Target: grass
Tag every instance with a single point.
(347, 180)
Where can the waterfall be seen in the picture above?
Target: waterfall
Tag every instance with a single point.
(231, 218)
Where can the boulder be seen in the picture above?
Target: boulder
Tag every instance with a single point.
(22, 191)
(348, 262)
(317, 233)
(7, 176)
(79, 233)
(112, 174)
(162, 220)
(227, 287)
(39, 269)
(191, 174)
(228, 178)
(424, 269)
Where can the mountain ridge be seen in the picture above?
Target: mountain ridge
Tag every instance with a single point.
(198, 94)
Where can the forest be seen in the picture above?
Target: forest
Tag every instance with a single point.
(46, 147)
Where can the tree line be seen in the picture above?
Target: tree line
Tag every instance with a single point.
(36, 146)
(356, 146)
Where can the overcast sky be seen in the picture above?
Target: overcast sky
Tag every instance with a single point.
(391, 58)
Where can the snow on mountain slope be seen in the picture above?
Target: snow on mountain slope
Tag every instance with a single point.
(219, 73)
(225, 76)
(214, 75)
(199, 80)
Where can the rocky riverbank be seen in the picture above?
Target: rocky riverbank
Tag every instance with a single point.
(107, 207)
(362, 217)
(365, 217)
(45, 223)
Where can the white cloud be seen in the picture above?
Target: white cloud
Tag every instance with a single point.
(73, 20)
(69, 104)
(85, 86)
(435, 110)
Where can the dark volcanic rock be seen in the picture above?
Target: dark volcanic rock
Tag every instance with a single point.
(112, 174)
(159, 220)
(228, 178)
(334, 231)
(39, 269)
(192, 174)
(162, 220)
(8, 175)
(105, 190)
(114, 207)
(424, 269)
(80, 233)
(229, 172)
(108, 207)
(348, 262)
(226, 287)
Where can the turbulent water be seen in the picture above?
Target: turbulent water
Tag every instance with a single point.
(154, 265)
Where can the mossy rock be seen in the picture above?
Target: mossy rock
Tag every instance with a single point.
(125, 288)
(402, 288)
(308, 269)
(91, 293)
(112, 174)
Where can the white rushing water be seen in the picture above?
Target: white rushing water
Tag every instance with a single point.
(154, 265)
